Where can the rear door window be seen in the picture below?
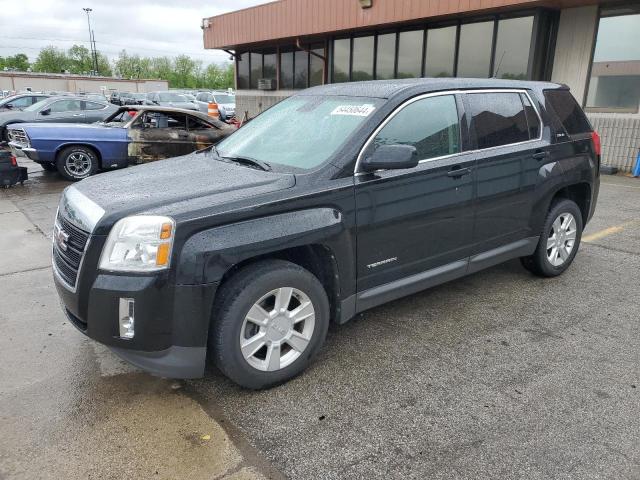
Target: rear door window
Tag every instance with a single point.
(430, 125)
(66, 106)
(94, 106)
(567, 111)
(497, 119)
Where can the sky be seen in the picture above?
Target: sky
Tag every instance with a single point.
(145, 27)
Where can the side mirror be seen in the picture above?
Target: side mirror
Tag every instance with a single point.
(391, 157)
(8, 106)
(46, 111)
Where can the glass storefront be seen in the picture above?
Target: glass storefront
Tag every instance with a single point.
(497, 46)
(615, 73)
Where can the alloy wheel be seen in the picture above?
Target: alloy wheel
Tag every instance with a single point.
(78, 164)
(277, 329)
(562, 239)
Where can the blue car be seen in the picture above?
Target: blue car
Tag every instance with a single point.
(132, 135)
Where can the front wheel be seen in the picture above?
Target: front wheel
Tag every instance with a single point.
(559, 242)
(77, 162)
(270, 319)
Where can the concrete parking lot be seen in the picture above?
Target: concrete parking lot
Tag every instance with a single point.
(497, 375)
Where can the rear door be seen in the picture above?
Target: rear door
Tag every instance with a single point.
(414, 220)
(95, 111)
(508, 155)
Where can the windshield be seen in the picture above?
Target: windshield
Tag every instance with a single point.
(171, 97)
(301, 132)
(225, 98)
(36, 106)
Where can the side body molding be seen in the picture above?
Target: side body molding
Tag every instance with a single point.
(207, 255)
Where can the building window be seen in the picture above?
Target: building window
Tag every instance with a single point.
(615, 73)
(474, 55)
(269, 69)
(512, 48)
(386, 56)
(242, 69)
(440, 52)
(341, 59)
(410, 54)
(316, 65)
(256, 68)
(301, 69)
(286, 70)
(362, 67)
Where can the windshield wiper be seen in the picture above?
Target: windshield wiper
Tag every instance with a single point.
(251, 162)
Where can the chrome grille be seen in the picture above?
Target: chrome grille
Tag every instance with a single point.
(69, 244)
(18, 136)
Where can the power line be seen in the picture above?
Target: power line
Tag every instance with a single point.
(99, 42)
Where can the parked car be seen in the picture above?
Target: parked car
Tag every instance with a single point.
(170, 99)
(121, 98)
(21, 101)
(138, 98)
(131, 135)
(226, 103)
(336, 200)
(57, 109)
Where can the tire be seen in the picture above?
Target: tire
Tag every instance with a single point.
(231, 326)
(77, 162)
(547, 262)
(49, 167)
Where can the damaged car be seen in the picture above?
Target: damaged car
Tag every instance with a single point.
(132, 135)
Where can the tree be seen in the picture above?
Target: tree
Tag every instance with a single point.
(19, 62)
(51, 60)
(80, 59)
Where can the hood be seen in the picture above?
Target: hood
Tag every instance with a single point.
(9, 116)
(176, 186)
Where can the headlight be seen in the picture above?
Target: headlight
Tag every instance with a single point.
(139, 244)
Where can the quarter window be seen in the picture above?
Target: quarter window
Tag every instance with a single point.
(568, 111)
(431, 125)
(497, 119)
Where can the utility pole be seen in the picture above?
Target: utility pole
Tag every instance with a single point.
(92, 42)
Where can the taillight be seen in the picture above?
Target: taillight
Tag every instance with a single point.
(14, 161)
(597, 146)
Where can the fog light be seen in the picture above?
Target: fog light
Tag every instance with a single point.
(126, 318)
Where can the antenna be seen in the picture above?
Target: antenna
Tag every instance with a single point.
(495, 75)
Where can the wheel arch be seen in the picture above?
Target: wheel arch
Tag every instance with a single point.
(579, 193)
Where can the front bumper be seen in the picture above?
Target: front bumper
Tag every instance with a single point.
(171, 321)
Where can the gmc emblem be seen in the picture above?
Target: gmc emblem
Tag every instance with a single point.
(61, 238)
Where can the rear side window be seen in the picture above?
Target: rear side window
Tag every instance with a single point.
(498, 119)
(94, 106)
(431, 125)
(567, 111)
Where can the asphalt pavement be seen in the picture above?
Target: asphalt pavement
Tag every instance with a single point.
(497, 375)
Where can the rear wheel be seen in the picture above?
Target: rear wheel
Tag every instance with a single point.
(77, 162)
(559, 242)
(270, 320)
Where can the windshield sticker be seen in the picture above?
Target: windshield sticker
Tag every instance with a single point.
(355, 110)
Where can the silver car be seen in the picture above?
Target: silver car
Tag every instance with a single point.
(226, 103)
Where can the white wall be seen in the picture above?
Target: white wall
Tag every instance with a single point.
(576, 37)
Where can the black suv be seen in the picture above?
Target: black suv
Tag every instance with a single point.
(338, 199)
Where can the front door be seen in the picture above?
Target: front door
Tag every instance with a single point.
(415, 220)
(66, 111)
(159, 135)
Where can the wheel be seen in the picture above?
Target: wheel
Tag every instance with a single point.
(49, 167)
(559, 242)
(77, 162)
(269, 321)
